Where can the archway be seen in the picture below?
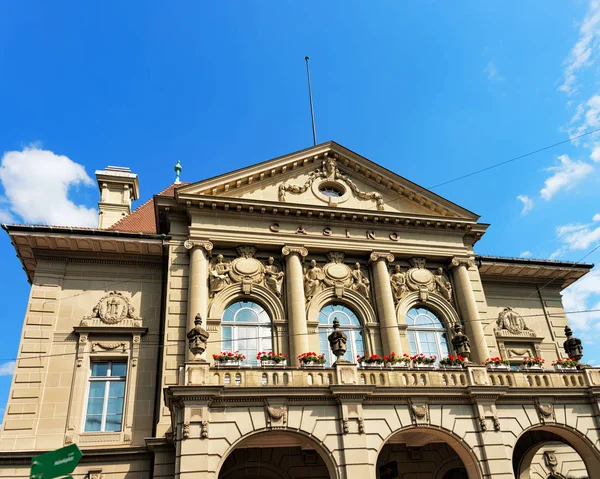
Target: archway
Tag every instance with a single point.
(277, 454)
(426, 453)
(554, 452)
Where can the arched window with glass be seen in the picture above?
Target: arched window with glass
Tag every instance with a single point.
(349, 323)
(426, 333)
(246, 327)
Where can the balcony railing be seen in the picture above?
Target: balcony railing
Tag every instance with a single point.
(194, 374)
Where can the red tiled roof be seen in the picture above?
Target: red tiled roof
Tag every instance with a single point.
(143, 219)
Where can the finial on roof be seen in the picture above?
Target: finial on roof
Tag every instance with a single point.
(177, 169)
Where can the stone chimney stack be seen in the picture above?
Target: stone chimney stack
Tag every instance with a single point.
(118, 188)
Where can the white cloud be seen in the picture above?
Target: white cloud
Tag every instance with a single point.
(588, 115)
(492, 72)
(581, 54)
(6, 369)
(581, 296)
(527, 204)
(36, 184)
(577, 236)
(525, 254)
(565, 176)
(595, 155)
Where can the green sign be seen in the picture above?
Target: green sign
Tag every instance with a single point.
(55, 463)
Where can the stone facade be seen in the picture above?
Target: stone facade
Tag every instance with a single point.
(287, 239)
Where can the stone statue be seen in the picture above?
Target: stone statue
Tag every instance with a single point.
(460, 343)
(219, 276)
(360, 282)
(573, 347)
(312, 280)
(398, 281)
(443, 285)
(337, 342)
(197, 337)
(273, 277)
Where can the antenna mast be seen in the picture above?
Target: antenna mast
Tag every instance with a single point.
(312, 111)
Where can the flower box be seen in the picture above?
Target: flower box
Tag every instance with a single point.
(451, 366)
(265, 363)
(533, 367)
(424, 366)
(228, 364)
(364, 365)
(313, 365)
(497, 367)
(400, 365)
(560, 367)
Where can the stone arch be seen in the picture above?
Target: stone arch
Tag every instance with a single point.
(460, 447)
(435, 302)
(320, 448)
(523, 452)
(234, 292)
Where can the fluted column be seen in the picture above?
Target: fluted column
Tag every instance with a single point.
(197, 282)
(468, 307)
(390, 336)
(296, 301)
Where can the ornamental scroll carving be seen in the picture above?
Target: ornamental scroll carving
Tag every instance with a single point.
(511, 323)
(113, 308)
(336, 274)
(329, 172)
(420, 279)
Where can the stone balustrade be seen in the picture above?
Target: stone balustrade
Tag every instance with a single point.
(251, 377)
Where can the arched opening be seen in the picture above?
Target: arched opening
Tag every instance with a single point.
(275, 455)
(349, 323)
(246, 327)
(552, 452)
(426, 453)
(426, 333)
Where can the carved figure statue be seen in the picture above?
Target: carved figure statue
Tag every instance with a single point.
(273, 277)
(460, 342)
(360, 281)
(219, 276)
(398, 281)
(337, 341)
(443, 285)
(312, 280)
(197, 337)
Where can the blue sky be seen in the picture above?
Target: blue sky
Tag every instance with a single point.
(426, 89)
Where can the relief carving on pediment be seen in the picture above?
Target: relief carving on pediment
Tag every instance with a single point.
(112, 309)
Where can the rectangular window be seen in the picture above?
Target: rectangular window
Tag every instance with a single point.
(106, 395)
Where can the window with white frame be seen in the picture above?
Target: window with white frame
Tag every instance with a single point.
(349, 323)
(106, 393)
(426, 333)
(246, 327)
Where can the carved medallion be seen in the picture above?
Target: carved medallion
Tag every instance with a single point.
(112, 309)
(246, 268)
(336, 272)
(509, 320)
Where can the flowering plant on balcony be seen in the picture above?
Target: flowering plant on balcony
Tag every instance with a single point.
(529, 362)
(565, 363)
(311, 357)
(225, 357)
(393, 358)
(271, 356)
(422, 359)
(497, 361)
(369, 359)
(453, 361)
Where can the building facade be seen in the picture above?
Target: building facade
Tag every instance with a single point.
(124, 321)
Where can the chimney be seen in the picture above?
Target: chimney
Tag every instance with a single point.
(118, 188)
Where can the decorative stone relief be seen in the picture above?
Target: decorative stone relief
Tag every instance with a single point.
(329, 173)
(398, 282)
(204, 429)
(276, 416)
(420, 413)
(110, 346)
(551, 461)
(510, 323)
(422, 280)
(345, 427)
(545, 413)
(185, 430)
(219, 274)
(360, 282)
(313, 277)
(197, 337)
(244, 269)
(113, 308)
(273, 276)
(336, 274)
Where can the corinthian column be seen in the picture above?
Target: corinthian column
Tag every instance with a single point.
(468, 307)
(388, 324)
(296, 301)
(197, 282)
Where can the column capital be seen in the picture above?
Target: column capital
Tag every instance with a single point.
(204, 244)
(300, 250)
(465, 261)
(384, 255)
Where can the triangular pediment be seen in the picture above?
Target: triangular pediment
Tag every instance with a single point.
(327, 175)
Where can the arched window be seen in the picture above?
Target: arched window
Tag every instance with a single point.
(349, 324)
(426, 333)
(246, 327)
